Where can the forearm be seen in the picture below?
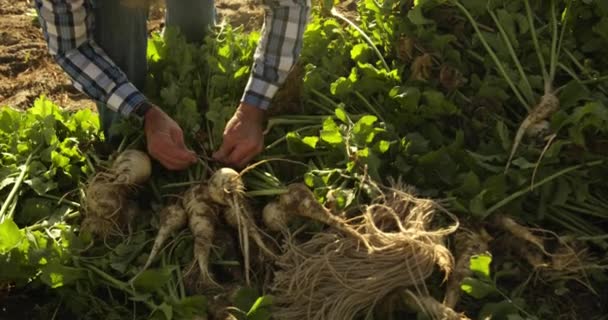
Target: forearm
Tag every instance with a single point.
(278, 50)
(67, 26)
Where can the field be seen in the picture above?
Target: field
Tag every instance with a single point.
(425, 159)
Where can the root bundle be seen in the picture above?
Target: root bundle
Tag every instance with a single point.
(332, 276)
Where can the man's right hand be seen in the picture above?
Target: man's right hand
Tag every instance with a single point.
(165, 140)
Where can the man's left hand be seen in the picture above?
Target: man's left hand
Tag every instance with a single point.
(243, 137)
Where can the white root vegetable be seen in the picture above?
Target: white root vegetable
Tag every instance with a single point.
(301, 201)
(548, 105)
(104, 199)
(241, 217)
(105, 206)
(227, 188)
(275, 216)
(172, 218)
(223, 184)
(202, 217)
(132, 167)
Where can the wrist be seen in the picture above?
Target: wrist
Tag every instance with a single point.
(251, 113)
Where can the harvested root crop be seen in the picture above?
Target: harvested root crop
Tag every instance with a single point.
(172, 219)
(243, 218)
(132, 167)
(105, 207)
(274, 216)
(301, 201)
(224, 184)
(227, 188)
(331, 277)
(431, 307)
(202, 218)
(520, 232)
(467, 245)
(107, 194)
(548, 105)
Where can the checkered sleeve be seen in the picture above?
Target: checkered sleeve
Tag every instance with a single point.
(68, 30)
(277, 51)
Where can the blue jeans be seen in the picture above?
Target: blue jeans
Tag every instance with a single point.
(122, 33)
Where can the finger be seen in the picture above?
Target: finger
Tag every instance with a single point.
(225, 150)
(171, 156)
(249, 157)
(164, 159)
(178, 138)
(240, 154)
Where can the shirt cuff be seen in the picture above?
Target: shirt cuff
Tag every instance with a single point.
(125, 98)
(259, 93)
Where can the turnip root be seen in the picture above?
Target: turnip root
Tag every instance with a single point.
(274, 216)
(103, 198)
(172, 218)
(225, 183)
(226, 188)
(202, 217)
(104, 206)
(548, 105)
(241, 217)
(132, 167)
(520, 232)
(301, 201)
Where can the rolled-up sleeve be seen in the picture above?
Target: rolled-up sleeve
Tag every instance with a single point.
(68, 30)
(277, 51)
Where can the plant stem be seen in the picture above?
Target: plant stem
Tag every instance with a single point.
(267, 192)
(61, 200)
(528, 88)
(492, 54)
(536, 45)
(522, 192)
(371, 108)
(179, 184)
(9, 199)
(365, 36)
(284, 137)
(324, 97)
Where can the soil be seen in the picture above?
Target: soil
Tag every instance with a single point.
(28, 71)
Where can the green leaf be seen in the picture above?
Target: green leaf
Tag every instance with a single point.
(498, 310)
(56, 275)
(480, 265)
(260, 309)
(363, 132)
(341, 87)
(341, 114)
(572, 93)
(503, 135)
(361, 52)
(331, 132)
(153, 279)
(409, 98)
(470, 184)
(10, 235)
(191, 306)
(476, 288)
(382, 146)
(41, 186)
(477, 206)
(245, 298)
(167, 310)
(416, 17)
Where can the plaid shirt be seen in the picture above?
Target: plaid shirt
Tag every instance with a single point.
(68, 30)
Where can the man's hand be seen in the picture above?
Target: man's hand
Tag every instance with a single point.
(243, 137)
(166, 141)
